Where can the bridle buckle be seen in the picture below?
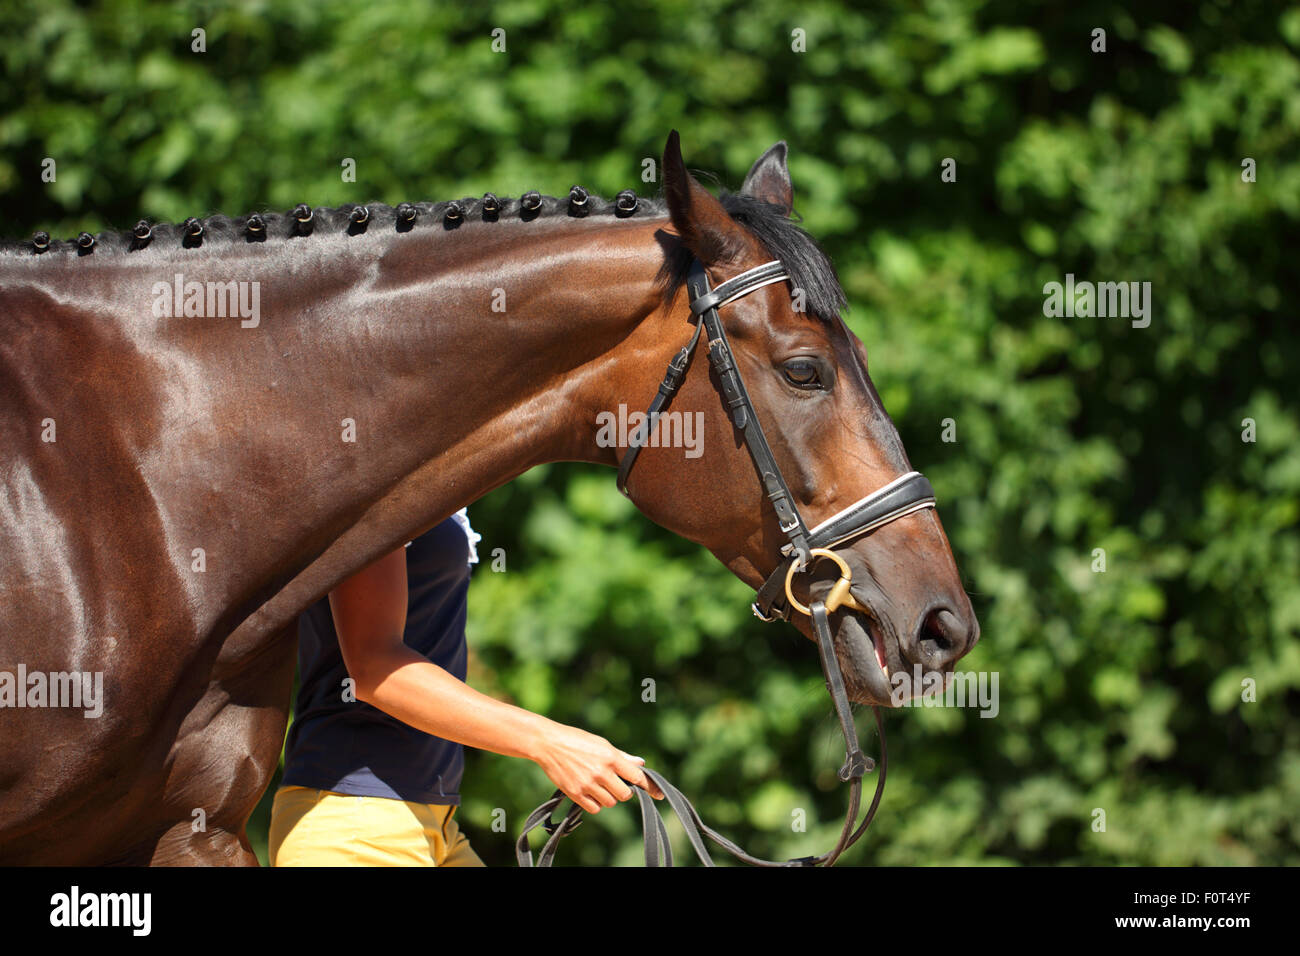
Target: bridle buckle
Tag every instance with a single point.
(857, 765)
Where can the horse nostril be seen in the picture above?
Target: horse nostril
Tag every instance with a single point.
(934, 631)
(943, 637)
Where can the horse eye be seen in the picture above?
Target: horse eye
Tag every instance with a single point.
(802, 375)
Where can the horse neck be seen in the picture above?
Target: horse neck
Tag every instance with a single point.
(389, 380)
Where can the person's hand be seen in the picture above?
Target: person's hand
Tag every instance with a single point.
(591, 771)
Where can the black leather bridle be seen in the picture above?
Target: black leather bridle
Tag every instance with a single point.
(904, 495)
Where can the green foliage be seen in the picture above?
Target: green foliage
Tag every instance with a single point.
(1119, 690)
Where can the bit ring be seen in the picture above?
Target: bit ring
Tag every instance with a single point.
(839, 595)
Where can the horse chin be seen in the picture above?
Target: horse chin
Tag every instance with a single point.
(864, 660)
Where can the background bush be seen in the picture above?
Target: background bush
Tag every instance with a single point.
(1119, 690)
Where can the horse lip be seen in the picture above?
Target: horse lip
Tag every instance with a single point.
(859, 643)
(869, 675)
(874, 630)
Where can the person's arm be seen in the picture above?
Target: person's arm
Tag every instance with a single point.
(370, 618)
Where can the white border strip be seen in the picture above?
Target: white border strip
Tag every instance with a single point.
(884, 520)
(750, 288)
(879, 492)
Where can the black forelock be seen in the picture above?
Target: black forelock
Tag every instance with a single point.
(810, 269)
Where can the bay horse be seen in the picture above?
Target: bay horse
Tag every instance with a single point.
(208, 426)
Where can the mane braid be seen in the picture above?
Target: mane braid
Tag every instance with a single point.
(328, 220)
(810, 269)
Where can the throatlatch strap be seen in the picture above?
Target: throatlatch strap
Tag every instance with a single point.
(667, 389)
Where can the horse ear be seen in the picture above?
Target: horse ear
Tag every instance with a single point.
(769, 179)
(705, 227)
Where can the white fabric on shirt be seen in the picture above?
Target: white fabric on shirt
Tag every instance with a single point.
(462, 519)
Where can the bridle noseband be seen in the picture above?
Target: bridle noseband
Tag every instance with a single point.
(904, 495)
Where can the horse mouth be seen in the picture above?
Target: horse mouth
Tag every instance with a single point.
(862, 645)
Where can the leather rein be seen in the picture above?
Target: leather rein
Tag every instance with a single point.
(775, 599)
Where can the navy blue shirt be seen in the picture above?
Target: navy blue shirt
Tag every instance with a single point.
(355, 748)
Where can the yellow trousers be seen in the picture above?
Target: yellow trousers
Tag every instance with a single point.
(322, 828)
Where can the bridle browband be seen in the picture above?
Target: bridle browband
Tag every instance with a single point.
(904, 495)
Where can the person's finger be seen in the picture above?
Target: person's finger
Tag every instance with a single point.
(602, 796)
(582, 800)
(617, 786)
(632, 770)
